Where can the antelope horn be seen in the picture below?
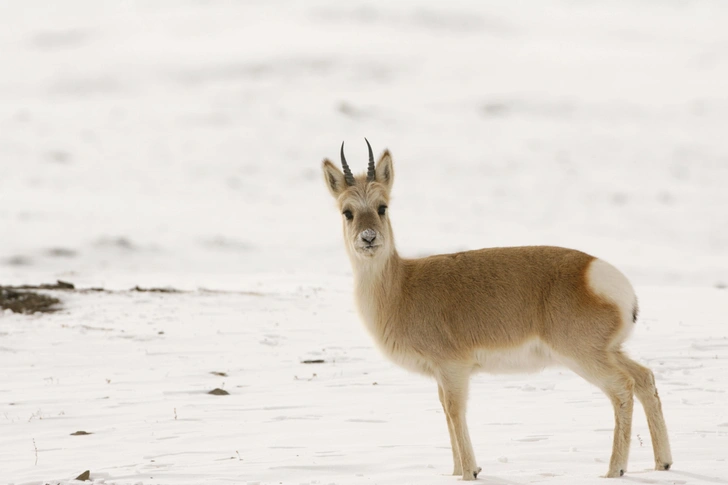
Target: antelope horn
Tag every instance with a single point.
(348, 176)
(371, 174)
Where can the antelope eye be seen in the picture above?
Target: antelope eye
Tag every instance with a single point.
(349, 216)
(382, 209)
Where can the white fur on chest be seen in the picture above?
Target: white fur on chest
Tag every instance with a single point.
(386, 342)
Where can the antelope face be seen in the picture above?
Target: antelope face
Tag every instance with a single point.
(363, 202)
(364, 214)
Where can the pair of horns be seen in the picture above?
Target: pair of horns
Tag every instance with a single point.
(348, 176)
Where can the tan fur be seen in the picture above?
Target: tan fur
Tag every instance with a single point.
(494, 310)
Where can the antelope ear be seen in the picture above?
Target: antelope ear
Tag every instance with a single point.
(334, 179)
(385, 170)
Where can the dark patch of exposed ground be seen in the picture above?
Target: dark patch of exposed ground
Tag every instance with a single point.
(219, 392)
(23, 298)
(27, 301)
(156, 290)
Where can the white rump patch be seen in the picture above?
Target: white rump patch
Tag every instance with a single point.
(609, 283)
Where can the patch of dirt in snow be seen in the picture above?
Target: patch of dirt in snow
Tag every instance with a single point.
(27, 301)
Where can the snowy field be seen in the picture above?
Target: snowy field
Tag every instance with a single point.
(177, 144)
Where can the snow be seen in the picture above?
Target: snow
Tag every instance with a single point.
(178, 144)
(134, 370)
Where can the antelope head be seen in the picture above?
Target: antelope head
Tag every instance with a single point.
(363, 201)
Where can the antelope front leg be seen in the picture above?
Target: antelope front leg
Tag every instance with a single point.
(453, 384)
(457, 465)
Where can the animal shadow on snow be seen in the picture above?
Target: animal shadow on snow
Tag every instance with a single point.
(491, 480)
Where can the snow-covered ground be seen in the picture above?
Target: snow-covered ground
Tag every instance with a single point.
(178, 143)
(134, 370)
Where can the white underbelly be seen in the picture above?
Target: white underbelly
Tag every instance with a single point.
(532, 356)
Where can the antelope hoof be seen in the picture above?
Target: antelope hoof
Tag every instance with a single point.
(616, 473)
(663, 466)
(471, 474)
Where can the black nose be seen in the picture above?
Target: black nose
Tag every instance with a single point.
(368, 235)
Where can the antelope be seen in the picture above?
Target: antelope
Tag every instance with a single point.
(510, 309)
